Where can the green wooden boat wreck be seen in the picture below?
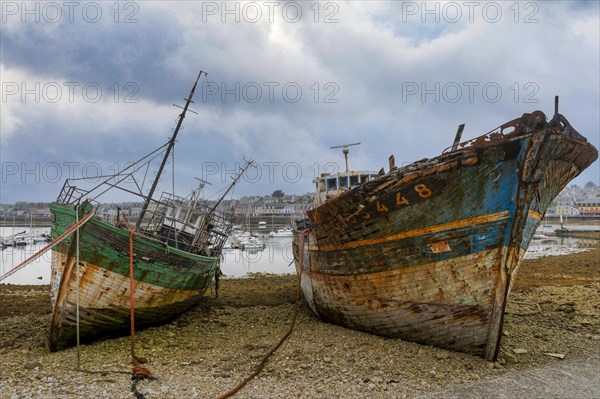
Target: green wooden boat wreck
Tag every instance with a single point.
(176, 245)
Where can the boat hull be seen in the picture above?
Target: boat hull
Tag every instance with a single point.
(428, 253)
(167, 282)
(392, 303)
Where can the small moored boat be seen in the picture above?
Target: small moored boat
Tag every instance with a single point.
(284, 232)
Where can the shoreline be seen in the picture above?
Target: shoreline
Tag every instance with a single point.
(280, 221)
(207, 351)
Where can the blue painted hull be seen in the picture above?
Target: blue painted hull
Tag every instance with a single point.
(428, 252)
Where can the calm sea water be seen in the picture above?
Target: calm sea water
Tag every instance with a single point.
(275, 258)
(38, 272)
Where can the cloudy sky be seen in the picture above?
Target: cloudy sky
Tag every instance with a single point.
(90, 86)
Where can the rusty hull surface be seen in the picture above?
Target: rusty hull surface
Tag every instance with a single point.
(428, 253)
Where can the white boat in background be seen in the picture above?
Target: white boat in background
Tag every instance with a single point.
(252, 243)
(284, 232)
(15, 240)
(262, 225)
(44, 237)
(237, 237)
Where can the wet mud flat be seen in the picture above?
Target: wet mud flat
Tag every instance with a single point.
(554, 309)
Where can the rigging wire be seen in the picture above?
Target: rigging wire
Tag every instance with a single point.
(173, 169)
(126, 176)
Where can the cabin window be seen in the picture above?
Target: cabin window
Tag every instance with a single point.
(194, 218)
(331, 184)
(364, 178)
(354, 181)
(343, 182)
(371, 177)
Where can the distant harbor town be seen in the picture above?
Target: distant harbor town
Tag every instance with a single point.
(275, 210)
(279, 209)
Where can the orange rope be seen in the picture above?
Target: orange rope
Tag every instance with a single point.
(131, 300)
(51, 245)
(137, 370)
(263, 362)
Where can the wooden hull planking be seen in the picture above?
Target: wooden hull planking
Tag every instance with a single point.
(167, 282)
(428, 253)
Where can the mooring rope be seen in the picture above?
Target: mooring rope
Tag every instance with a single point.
(51, 245)
(138, 373)
(264, 360)
(131, 298)
(135, 359)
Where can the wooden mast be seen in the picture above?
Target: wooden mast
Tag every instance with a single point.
(167, 153)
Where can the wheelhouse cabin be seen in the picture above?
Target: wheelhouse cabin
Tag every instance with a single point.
(329, 186)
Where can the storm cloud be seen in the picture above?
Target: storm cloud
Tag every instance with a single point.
(85, 91)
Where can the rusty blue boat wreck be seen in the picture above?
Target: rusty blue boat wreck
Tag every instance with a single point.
(429, 252)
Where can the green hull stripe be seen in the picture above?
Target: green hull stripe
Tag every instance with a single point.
(107, 246)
